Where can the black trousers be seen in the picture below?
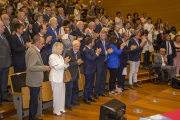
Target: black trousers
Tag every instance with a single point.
(33, 104)
(3, 82)
(170, 60)
(146, 58)
(112, 79)
(121, 77)
(101, 74)
(20, 68)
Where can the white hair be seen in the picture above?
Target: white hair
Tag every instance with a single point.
(162, 49)
(77, 5)
(79, 22)
(60, 8)
(4, 16)
(19, 14)
(52, 20)
(75, 42)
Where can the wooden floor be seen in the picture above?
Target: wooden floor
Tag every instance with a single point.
(134, 99)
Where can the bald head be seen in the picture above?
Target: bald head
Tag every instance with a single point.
(2, 27)
(5, 19)
(80, 25)
(21, 16)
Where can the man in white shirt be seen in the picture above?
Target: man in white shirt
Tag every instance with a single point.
(126, 29)
(160, 60)
(143, 19)
(119, 19)
(149, 26)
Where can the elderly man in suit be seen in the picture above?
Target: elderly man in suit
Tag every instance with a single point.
(47, 16)
(168, 44)
(67, 42)
(161, 60)
(90, 30)
(89, 69)
(101, 70)
(34, 75)
(8, 27)
(72, 89)
(19, 45)
(27, 28)
(53, 31)
(39, 20)
(45, 50)
(5, 63)
(134, 59)
(73, 25)
(60, 17)
(116, 32)
(101, 25)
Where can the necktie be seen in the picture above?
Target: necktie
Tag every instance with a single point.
(168, 49)
(76, 56)
(4, 40)
(102, 26)
(82, 32)
(105, 50)
(22, 42)
(69, 38)
(55, 33)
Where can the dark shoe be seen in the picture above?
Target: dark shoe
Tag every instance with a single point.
(104, 95)
(92, 100)
(96, 96)
(7, 100)
(68, 107)
(137, 85)
(38, 119)
(1, 105)
(87, 102)
(75, 104)
(130, 86)
(125, 89)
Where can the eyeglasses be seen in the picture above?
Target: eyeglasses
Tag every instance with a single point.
(42, 43)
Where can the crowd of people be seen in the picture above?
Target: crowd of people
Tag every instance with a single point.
(38, 36)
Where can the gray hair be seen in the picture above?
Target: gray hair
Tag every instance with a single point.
(52, 20)
(124, 34)
(75, 42)
(162, 49)
(103, 32)
(4, 16)
(60, 9)
(79, 22)
(136, 33)
(102, 18)
(19, 14)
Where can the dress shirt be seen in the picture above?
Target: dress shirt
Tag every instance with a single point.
(125, 30)
(136, 41)
(77, 15)
(20, 38)
(148, 27)
(75, 53)
(37, 48)
(54, 31)
(117, 34)
(170, 49)
(8, 27)
(163, 63)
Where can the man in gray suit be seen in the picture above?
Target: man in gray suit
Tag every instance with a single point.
(67, 42)
(34, 76)
(160, 60)
(5, 63)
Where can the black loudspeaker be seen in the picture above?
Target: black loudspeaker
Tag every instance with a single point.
(176, 82)
(113, 110)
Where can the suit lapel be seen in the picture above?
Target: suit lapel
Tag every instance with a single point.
(39, 55)
(73, 55)
(4, 41)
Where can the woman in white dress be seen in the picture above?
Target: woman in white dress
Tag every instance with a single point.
(58, 65)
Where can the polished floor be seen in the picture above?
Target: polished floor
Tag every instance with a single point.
(134, 99)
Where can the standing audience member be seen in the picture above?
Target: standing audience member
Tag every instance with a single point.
(9, 10)
(177, 60)
(159, 21)
(144, 19)
(61, 4)
(73, 25)
(173, 32)
(90, 30)
(89, 69)
(77, 12)
(72, 89)
(60, 17)
(116, 32)
(113, 64)
(91, 15)
(97, 20)
(134, 59)
(101, 25)
(39, 20)
(58, 65)
(102, 60)
(147, 49)
(160, 37)
(19, 46)
(70, 7)
(168, 44)
(35, 75)
(5, 63)
(47, 16)
(167, 27)
(149, 27)
(65, 23)
(119, 20)
(125, 28)
(135, 15)
(155, 32)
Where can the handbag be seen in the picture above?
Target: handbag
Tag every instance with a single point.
(67, 76)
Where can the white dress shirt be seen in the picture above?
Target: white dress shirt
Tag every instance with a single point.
(148, 27)
(119, 22)
(163, 63)
(77, 15)
(170, 49)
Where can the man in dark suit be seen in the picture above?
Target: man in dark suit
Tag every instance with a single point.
(168, 44)
(8, 27)
(100, 25)
(24, 9)
(9, 10)
(79, 33)
(19, 46)
(27, 28)
(45, 50)
(116, 32)
(39, 20)
(47, 16)
(73, 25)
(5, 63)
(102, 60)
(134, 59)
(123, 59)
(89, 69)
(60, 17)
(72, 89)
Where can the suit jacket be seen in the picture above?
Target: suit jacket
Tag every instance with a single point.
(45, 52)
(7, 33)
(60, 20)
(73, 65)
(101, 59)
(35, 28)
(163, 45)
(89, 59)
(113, 33)
(72, 28)
(99, 28)
(78, 33)
(11, 18)
(124, 55)
(57, 68)
(135, 55)
(26, 34)
(67, 44)
(113, 60)
(157, 60)
(50, 32)
(35, 68)
(46, 18)
(5, 54)
(18, 50)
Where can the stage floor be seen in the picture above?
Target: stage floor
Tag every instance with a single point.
(134, 99)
